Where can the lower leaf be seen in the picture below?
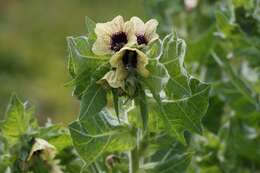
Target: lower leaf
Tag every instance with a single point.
(98, 134)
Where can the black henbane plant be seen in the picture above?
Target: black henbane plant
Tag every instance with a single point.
(138, 104)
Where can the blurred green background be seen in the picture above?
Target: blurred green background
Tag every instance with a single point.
(33, 49)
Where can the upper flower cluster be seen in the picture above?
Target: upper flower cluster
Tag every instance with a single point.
(112, 36)
(124, 41)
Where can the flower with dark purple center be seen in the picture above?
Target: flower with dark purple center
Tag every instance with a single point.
(124, 62)
(145, 32)
(128, 60)
(113, 36)
(123, 41)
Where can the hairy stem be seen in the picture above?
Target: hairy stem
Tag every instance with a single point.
(133, 160)
(134, 154)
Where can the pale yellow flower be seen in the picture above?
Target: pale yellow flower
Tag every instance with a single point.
(128, 59)
(113, 35)
(124, 62)
(112, 80)
(47, 150)
(145, 32)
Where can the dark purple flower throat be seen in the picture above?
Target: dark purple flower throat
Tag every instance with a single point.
(118, 40)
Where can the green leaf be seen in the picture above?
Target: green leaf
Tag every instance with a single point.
(236, 36)
(236, 80)
(175, 164)
(173, 59)
(94, 135)
(199, 49)
(90, 25)
(243, 3)
(155, 123)
(97, 74)
(154, 50)
(18, 120)
(186, 99)
(55, 135)
(186, 113)
(40, 165)
(212, 120)
(83, 65)
(81, 56)
(224, 24)
(93, 101)
(158, 76)
(240, 143)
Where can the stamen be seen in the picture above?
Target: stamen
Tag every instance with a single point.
(141, 39)
(118, 40)
(130, 59)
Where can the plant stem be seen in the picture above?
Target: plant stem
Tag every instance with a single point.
(133, 161)
(134, 155)
(95, 167)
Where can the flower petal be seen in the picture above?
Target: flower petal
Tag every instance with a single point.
(150, 30)
(108, 28)
(143, 71)
(117, 24)
(112, 80)
(141, 63)
(130, 32)
(121, 72)
(153, 37)
(116, 62)
(104, 31)
(48, 150)
(101, 46)
(116, 58)
(138, 25)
